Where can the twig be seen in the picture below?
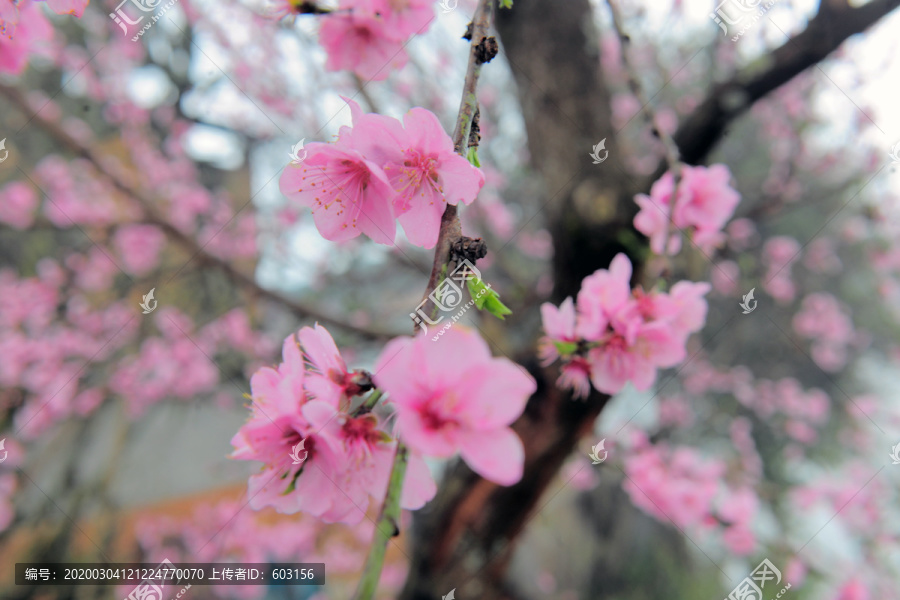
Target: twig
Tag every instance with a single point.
(451, 231)
(150, 215)
(361, 88)
(389, 521)
(388, 526)
(671, 148)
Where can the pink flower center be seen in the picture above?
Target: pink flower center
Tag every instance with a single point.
(645, 304)
(360, 436)
(341, 181)
(363, 33)
(362, 429)
(617, 343)
(439, 412)
(416, 170)
(293, 437)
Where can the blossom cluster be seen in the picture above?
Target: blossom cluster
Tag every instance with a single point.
(794, 413)
(704, 203)
(380, 171)
(347, 454)
(680, 485)
(824, 320)
(613, 335)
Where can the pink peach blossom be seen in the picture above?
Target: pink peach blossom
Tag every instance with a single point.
(621, 335)
(455, 397)
(328, 376)
(704, 204)
(559, 323)
(428, 176)
(632, 353)
(421, 164)
(347, 193)
(347, 458)
(602, 296)
(575, 375)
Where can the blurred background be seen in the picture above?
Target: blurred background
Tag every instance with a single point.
(153, 165)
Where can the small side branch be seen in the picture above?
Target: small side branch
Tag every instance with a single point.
(482, 50)
(387, 527)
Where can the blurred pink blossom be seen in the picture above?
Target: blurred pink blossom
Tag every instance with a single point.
(139, 246)
(18, 201)
(704, 204)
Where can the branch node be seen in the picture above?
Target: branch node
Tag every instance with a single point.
(475, 131)
(486, 50)
(467, 248)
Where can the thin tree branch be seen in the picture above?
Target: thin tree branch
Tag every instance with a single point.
(671, 148)
(451, 231)
(150, 215)
(834, 23)
(388, 526)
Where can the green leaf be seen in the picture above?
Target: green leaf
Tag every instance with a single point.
(472, 156)
(487, 299)
(506, 3)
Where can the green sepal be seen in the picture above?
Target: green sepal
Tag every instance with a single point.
(384, 436)
(472, 156)
(293, 485)
(487, 299)
(506, 3)
(565, 348)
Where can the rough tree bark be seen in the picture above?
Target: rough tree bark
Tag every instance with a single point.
(464, 538)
